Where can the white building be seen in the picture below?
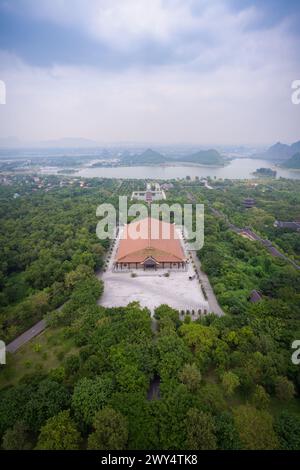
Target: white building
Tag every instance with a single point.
(153, 192)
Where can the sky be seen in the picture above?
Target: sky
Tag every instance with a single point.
(162, 71)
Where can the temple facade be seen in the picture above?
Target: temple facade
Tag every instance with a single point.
(150, 244)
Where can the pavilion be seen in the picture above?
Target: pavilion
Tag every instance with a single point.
(150, 244)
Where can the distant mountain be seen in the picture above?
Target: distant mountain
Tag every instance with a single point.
(293, 163)
(204, 157)
(279, 152)
(149, 157)
(295, 147)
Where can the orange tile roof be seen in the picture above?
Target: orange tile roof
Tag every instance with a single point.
(149, 237)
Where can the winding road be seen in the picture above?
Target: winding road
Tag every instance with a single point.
(247, 230)
(25, 337)
(213, 303)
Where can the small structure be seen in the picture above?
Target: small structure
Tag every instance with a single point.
(249, 203)
(255, 297)
(153, 192)
(150, 244)
(167, 186)
(149, 197)
(294, 226)
(246, 233)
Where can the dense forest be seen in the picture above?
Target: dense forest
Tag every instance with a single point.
(220, 382)
(44, 238)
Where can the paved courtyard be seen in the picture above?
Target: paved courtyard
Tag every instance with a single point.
(152, 289)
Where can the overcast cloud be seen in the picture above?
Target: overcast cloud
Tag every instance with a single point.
(194, 71)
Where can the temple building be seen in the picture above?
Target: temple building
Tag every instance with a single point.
(150, 244)
(249, 202)
(294, 226)
(153, 192)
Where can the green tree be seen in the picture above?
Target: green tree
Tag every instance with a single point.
(170, 412)
(163, 313)
(130, 379)
(255, 428)
(17, 438)
(81, 273)
(59, 433)
(13, 401)
(110, 431)
(260, 398)
(201, 340)
(210, 398)
(226, 432)
(201, 429)
(49, 398)
(172, 355)
(287, 427)
(190, 375)
(90, 395)
(284, 389)
(230, 382)
(143, 419)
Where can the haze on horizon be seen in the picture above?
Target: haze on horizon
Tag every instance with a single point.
(167, 71)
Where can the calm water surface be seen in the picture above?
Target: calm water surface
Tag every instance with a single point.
(241, 168)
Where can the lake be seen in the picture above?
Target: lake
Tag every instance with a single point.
(240, 168)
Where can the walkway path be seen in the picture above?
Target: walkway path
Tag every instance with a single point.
(211, 297)
(248, 231)
(270, 247)
(25, 337)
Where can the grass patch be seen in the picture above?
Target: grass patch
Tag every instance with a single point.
(41, 354)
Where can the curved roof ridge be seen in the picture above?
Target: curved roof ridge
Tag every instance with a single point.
(153, 237)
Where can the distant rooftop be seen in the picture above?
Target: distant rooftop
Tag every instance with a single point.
(289, 225)
(255, 297)
(249, 202)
